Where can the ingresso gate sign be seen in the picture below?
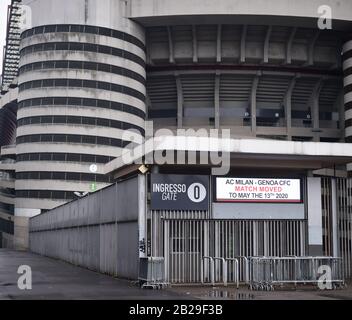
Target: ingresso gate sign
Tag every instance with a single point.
(179, 192)
(258, 190)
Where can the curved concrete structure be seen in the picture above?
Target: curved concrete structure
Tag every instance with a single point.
(347, 72)
(8, 109)
(299, 13)
(81, 84)
(7, 195)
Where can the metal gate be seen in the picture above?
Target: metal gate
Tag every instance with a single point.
(184, 239)
(344, 227)
(340, 230)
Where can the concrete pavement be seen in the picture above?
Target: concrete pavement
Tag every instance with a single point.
(53, 279)
(58, 280)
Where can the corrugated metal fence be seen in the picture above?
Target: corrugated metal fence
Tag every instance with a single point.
(344, 223)
(342, 234)
(190, 235)
(99, 232)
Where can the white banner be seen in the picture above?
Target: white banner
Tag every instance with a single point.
(258, 190)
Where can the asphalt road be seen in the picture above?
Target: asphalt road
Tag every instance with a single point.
(53, 279)
(58, 280)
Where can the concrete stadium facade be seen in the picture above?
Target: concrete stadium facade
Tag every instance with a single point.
(89, 70)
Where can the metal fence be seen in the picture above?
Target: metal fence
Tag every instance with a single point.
(344, 223)
(99, 232)
(184, 238)
(337, 220)
(228, 273)
(152, 272)
(267, 272)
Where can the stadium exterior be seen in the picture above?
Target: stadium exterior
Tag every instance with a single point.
(87, 71)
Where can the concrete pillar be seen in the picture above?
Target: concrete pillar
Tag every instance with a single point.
(217, 101)
(179, 102)
(334, 209)
(243, 44)
(288, 108)
(315, 228)
(142, 216)
(253, 103)
(314, 104)
(289, 46)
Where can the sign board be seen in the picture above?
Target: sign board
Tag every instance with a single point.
(258, 190)
(179, 192)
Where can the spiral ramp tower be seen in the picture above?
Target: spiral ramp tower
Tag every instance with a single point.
(8, 110)
(81, 84)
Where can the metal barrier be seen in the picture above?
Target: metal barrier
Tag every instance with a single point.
(266, 272)
(203, 270)
(228, 275)
(152, 272)
(243, 268)
(236, 277)
(224, 269)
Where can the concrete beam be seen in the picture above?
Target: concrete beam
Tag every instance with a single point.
(253, 104)
(340, 106)
(179, 101)
(311, 47)
(218, 44)
(314, 105)
(288, 107)
(289, 45)
(194, 44)
(243, 44)
(171, 45)
(267, 44)
(217, 100)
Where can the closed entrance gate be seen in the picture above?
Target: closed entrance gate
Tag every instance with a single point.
(183, 242)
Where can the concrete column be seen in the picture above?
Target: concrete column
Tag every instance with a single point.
(217, 101)
(253, 103)
(171, 45)
(243, 44)
(311, 48)
(334, 209)
(142, 215)
(267, 44)
(288, 108)
(194, 44)
(218, 44)
(314, 103)
(315, 228)
(179, 102)
(289, 46)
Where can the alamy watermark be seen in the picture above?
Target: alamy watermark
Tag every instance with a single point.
(183, 147)
(24, 282)
(325, 17)
(325, 278)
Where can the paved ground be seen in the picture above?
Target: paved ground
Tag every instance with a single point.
(54, 279)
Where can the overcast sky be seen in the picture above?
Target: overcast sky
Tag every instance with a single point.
(3, 23)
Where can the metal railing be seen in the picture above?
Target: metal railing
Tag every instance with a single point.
(152, 272)
(268, 272)
(224, 275)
